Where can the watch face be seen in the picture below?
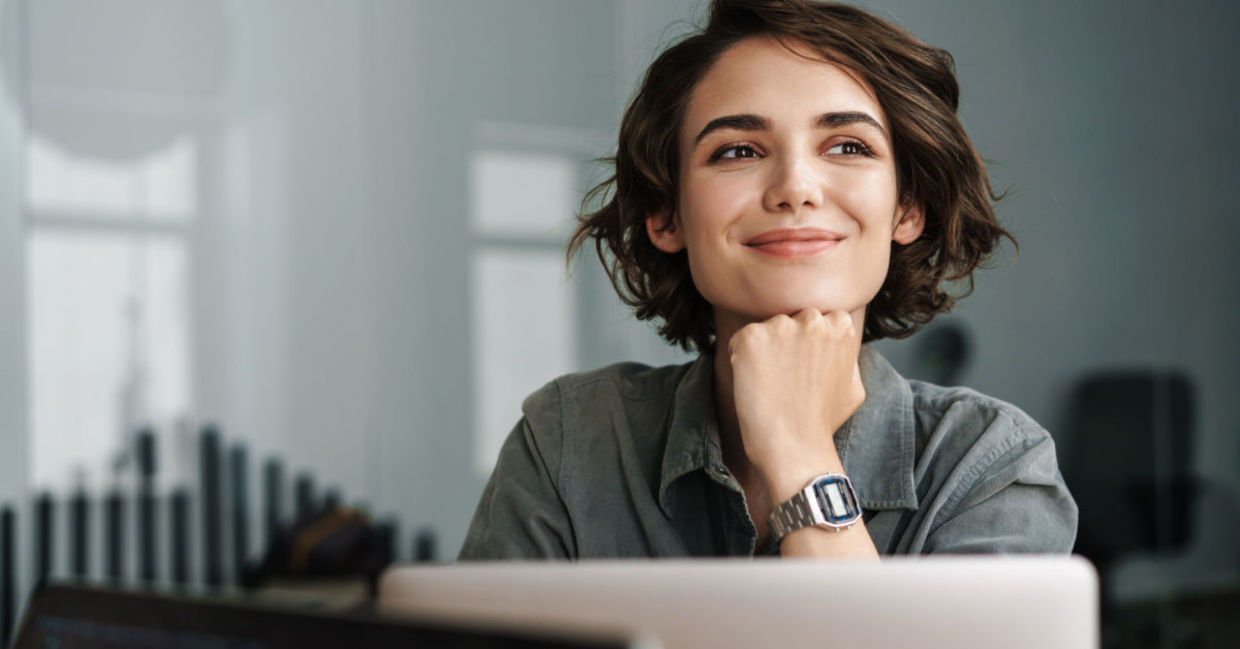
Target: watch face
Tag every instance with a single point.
(839, 505)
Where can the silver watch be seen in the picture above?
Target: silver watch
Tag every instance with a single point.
(828, 501)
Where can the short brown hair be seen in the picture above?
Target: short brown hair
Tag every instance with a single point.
(936, 167)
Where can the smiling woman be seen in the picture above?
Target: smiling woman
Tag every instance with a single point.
(791, 182)
(793, 162)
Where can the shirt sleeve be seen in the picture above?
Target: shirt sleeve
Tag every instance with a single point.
(520, 514)
(1016, 502)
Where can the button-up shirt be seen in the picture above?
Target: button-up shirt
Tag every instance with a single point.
(626, 462)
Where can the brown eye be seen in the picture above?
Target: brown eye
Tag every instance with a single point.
(850, 147)
(734, 152)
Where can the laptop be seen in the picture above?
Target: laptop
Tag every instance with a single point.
(960, 602)
(62, 615)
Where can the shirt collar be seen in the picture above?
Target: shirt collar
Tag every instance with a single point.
(877, 444)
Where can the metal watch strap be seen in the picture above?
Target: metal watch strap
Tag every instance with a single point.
(790, 516)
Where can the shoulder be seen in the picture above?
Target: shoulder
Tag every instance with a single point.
(980, 438)
(967, 411)
(621, 382)
(988, 476)
(596, 400)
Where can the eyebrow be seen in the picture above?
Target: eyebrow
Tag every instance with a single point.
(748, 122)
(836, 120)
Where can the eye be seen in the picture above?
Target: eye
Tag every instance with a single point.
(734, 152)
(851, 148)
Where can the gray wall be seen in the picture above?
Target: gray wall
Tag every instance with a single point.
(1112, 126)
(331, 303)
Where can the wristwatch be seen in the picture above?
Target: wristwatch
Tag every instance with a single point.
(828, 501)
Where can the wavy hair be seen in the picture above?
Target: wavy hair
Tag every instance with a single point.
(936, 167)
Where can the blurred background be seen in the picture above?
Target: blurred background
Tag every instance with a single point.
(335, 230)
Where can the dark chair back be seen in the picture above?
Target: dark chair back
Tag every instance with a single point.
(1131, 435)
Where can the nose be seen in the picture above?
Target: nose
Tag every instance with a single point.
(794, 185)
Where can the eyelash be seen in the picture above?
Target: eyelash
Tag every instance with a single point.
(862, 150)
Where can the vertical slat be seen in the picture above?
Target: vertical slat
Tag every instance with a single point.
(331, 499)
(44, 537)
(148, 554)
(212, 514)
(305, 496)
(424, 549)
(273, 496)
(114, 533)
(180, 538)
(240, 510)
(8, 580)
(79, 532)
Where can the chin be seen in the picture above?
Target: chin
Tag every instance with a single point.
(790, 301)
(770, 308)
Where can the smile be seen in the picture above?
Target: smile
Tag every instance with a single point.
(801, 242)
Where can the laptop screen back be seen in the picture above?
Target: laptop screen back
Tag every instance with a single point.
(960, 602)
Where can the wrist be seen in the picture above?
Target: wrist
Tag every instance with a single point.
(784, 482)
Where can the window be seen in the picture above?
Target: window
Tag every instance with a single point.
(525, 184)
(108, 286)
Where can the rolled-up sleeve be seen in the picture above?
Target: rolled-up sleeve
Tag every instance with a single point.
(521, 514)
(1016, 502)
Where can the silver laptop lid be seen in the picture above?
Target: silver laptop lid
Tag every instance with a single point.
(961, 602)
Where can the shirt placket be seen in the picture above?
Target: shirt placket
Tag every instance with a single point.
(741, 532)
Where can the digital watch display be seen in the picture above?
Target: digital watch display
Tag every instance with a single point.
(837, 500)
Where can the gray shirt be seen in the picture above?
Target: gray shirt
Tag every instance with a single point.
(625, 462)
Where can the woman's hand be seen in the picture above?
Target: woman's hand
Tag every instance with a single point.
(795, 381)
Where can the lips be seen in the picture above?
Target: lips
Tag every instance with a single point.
(799, 242)
(798, 234)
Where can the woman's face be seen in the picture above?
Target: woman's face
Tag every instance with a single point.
(787, 187)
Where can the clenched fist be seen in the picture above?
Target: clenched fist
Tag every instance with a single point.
(795, 381)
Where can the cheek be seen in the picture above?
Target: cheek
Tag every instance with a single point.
(707, 206)
(870, 199)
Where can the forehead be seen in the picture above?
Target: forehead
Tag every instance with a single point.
(762, 76)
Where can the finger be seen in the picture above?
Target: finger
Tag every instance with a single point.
(854, 332)
(806, 316)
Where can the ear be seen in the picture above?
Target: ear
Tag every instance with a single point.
(911, 223)
(664, 232)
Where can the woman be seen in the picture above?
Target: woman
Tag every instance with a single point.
(791, 182)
